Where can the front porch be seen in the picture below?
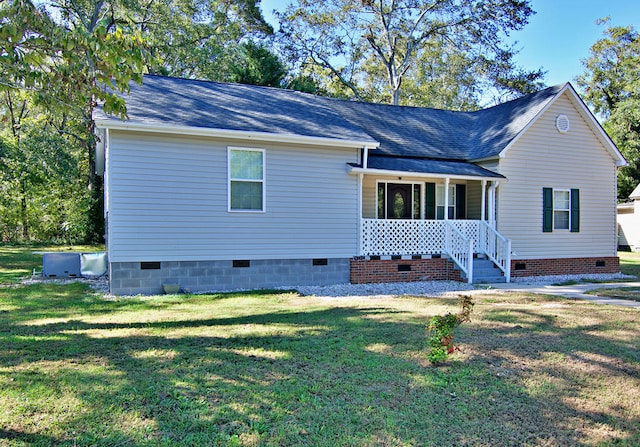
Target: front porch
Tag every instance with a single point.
(461, 241)
(427, 214)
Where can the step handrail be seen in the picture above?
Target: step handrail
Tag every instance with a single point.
(460, 249)
(496, 247)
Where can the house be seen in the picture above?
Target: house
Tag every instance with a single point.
(218, 186)
(629, 222)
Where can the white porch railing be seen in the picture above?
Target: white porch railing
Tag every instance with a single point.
(459, 248)
(496, 247)
(384, 237)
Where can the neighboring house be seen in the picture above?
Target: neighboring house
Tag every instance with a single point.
(629, 222)
(223, 186)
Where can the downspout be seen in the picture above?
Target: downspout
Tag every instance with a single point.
(365, 157)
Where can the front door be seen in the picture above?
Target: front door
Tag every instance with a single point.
(399, 201)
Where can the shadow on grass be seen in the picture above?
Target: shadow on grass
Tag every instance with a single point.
(278, 376)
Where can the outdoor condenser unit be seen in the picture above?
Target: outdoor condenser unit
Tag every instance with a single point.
(60, 265)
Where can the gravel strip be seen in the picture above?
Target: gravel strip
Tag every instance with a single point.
(558, 279)
(422, 288)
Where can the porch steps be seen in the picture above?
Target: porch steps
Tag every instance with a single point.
(485, 271)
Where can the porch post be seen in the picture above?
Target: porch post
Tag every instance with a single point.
(360, 236)
(446, 198)
(492, 203)
(484, 200)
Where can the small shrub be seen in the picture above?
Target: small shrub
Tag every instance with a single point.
(441, 329)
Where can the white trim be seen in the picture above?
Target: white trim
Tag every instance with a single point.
(263, 181)
(383, 172)
(586, 114)
(567, 210)
(234, 134)
(360, 235)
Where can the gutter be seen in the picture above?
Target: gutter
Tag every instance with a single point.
(354, 170)
(234, 134)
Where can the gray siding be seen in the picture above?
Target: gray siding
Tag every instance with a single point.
(168, 202)
(543, 157)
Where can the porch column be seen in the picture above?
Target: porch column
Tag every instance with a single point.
(360, 181)
(446, 198)
(492, 203)
(484, 200)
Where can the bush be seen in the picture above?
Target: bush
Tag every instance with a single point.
(441, 329)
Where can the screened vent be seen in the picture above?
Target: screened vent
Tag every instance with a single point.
(562, 123)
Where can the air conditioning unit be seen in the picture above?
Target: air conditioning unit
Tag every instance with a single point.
(61, 265)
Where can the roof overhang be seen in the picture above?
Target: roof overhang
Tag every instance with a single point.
(112, 124)
(415, 167)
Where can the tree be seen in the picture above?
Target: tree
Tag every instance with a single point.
(197, 38)
(364, 43)
(257, 65)
(611, 85)
(67, 62)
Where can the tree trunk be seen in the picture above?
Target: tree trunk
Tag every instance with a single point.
(23, 210)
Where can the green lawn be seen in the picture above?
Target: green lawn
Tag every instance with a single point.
(630, 263)
(277, 369)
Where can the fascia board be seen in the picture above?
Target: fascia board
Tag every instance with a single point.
(235, 134)
(383, 172)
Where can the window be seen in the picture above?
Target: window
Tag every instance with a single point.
(440, 202)
(560, 210)
(246, 179)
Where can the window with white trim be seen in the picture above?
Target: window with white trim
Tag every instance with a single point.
(561, 209)
(246, 179)
(440, 202)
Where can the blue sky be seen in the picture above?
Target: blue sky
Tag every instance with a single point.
(558, 36)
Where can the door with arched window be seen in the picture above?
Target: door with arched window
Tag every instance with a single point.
(399, 201)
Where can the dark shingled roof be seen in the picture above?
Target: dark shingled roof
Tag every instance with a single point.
(413, 132)
(214, 105)
(427, 166)
(433, 133)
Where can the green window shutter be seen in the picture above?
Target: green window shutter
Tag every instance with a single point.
(547, 210)
(461, 201)
(575, 210)
(430, 193)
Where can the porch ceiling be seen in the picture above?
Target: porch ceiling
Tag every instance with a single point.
(432, 167)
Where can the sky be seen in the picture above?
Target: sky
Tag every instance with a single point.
(558, 36)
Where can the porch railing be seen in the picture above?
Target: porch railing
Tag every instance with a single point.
(496, 247)
(382, 237)
(460, 249)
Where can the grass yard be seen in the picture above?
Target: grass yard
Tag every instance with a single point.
(278, 369)
(624, 293)
(630, 263)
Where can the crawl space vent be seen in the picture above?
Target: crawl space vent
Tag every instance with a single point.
(562, 123)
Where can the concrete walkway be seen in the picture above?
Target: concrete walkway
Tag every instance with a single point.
(577, 291)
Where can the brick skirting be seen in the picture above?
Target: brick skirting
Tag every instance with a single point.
(564, 266)
(367, 271)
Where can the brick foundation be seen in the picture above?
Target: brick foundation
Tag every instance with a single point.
(564, 266)
(367, 271)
